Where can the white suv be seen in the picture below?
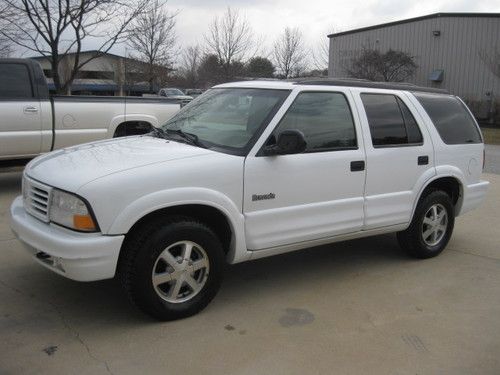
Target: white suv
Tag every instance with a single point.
(249, 170)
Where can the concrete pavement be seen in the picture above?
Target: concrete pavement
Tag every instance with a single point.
(492, 162)
(349, 308)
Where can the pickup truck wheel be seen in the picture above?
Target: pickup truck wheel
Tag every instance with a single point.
(173, 269)
(431, 227)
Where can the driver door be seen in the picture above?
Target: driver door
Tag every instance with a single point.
(315, 194)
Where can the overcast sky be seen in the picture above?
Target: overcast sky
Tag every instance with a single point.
(316, 18)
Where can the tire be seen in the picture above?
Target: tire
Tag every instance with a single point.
(428, 234)
(158, 252)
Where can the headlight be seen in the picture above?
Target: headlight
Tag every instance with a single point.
(71, 211)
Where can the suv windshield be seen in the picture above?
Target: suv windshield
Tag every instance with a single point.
(228, 119)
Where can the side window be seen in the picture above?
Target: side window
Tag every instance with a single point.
(325, 118)
(15, 82)
(391, 122)
(453, 122)
(412, 129)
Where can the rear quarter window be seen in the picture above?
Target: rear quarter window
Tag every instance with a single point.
(451, 118)
(15, 81)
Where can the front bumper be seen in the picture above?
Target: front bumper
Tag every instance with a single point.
(78, 256)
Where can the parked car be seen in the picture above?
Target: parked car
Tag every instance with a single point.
(250, 170)
(194, 92)
(33, 123)
(177, 94)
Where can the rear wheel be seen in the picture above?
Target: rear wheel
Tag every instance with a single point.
(431, 227)
(173, 269)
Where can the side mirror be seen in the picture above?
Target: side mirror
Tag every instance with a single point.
(289, 142)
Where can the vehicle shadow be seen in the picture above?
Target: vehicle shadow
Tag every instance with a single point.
(10, 180)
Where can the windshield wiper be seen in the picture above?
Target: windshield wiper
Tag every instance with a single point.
(188, 137)
(158, 132)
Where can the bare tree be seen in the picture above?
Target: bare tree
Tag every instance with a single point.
(5, 43)
(55, 28)
(230, 39)
(321, 53)
(5, 47)
(189, 65)
(153, 37)
(290, 53)
(391, 66)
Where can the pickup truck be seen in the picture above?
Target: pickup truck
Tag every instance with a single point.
(249, 170)
(33, 123)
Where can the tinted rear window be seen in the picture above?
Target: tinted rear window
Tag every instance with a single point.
(453, 122)
(391, 122)
(15, 81)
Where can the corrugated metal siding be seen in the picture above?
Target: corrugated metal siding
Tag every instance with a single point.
(457, 51)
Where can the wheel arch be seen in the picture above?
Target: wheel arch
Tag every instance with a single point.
(127, 120)
(213, 217)
(450, 184)
(213, 208)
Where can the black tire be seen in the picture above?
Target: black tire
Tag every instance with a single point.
(141, 252)
(411, 240)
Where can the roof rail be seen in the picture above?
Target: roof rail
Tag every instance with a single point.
(354, 82)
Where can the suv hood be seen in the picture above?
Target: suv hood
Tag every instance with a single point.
(71, 168)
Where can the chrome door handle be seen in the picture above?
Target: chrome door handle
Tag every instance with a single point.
(30, 110)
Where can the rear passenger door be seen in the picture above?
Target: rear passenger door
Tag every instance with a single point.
(399, 156)
(314, 194)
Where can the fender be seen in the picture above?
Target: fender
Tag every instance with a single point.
(184, 196)
(441, 171)
(117, 120)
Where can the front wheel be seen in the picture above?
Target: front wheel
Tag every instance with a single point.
(173, 269)
(431, 227)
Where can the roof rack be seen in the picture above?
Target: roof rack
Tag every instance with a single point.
(354, 82)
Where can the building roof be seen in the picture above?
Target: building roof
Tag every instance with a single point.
(92, 52)
(415, 19)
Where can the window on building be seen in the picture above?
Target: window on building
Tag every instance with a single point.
(437, 75)
(391, 122)
(15, 82)
(324, 118)
(452, 120)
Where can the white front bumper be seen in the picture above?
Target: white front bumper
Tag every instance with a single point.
(78, 256)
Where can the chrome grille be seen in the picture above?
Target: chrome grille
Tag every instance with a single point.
(36, 198)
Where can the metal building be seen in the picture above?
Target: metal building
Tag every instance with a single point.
(459, 52)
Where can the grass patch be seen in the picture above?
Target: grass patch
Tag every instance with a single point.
(491, 136)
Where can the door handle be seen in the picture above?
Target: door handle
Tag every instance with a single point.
(423, 160)
(30, 110)
(358, 165)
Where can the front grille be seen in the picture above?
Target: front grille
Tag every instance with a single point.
(36, 198)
